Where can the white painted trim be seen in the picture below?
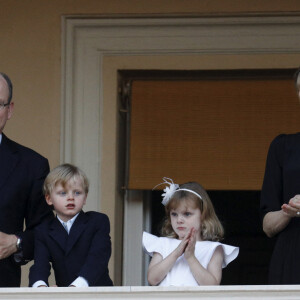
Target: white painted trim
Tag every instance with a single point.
(87, 41)
(133, 210)
(136, 292)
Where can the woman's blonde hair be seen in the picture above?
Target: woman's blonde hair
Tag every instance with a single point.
(61, 175)
(211, 227)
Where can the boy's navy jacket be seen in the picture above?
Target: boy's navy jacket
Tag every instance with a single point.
(85, 251)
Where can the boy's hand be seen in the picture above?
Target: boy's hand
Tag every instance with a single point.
(8, 244)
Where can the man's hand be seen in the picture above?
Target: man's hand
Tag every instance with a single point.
(8, 244)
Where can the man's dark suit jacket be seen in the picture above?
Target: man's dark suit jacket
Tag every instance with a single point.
(84, 252)
(22, 173)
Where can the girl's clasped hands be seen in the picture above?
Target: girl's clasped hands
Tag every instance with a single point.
(187, 245)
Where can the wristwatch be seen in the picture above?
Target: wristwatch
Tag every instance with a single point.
(19, 243)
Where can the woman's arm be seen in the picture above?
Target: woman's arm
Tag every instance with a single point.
(272, 189)
(275, 221)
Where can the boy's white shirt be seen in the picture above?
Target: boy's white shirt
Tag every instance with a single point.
(67, 225)
(79, 281)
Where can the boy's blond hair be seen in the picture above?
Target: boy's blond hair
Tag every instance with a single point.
(61, 175)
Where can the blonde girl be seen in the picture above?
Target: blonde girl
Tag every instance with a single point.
(190, 253)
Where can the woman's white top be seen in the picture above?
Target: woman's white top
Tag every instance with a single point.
(180, 274)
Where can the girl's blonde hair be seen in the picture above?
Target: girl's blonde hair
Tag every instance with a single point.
(61, 175)
(211, 227)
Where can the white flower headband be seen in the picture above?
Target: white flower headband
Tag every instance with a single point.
(169, 191)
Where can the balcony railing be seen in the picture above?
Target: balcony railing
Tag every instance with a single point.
(142, 292)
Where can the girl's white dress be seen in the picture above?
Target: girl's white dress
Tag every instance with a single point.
(180, 274)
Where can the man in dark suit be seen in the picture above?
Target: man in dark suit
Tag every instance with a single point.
(76, 243)
(22, 172)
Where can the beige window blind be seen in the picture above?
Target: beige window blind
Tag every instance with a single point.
(215, 132)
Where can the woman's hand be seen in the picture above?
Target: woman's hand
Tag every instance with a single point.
(292, 209)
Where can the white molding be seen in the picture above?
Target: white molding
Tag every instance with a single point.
(136, 292)
(87, 41)
(133, 210)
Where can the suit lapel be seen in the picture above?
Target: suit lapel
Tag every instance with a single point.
(9, 157)
(76, 230)
(58, 233)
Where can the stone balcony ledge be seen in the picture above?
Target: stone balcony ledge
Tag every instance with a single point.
(145, 292)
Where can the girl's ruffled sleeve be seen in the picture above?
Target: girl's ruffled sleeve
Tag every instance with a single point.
(206, 249)
(151, 243)
(230, 254)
